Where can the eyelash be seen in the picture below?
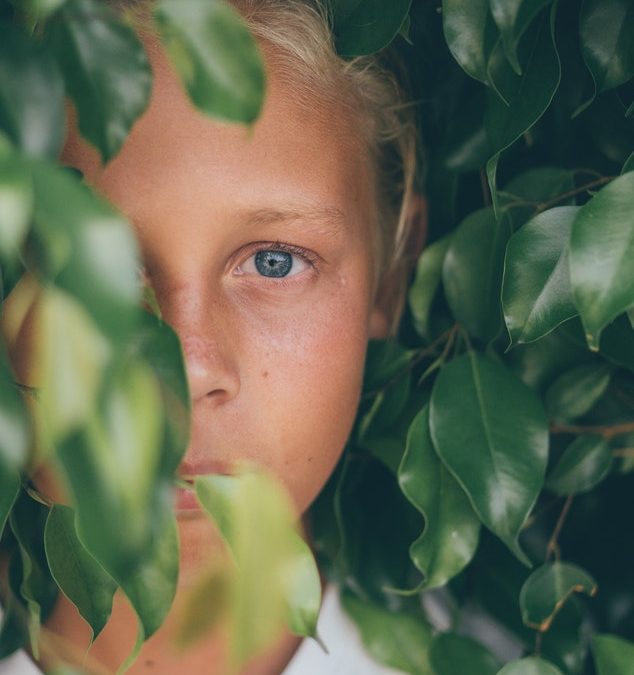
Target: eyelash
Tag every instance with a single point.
(308, 256)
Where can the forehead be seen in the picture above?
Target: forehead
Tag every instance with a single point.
(301, 150)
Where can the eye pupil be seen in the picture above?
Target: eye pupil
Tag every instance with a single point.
(273, 263)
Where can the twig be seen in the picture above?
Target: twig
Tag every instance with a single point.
(605, 431)
(571, 193)
(552, 543)
(623, 452)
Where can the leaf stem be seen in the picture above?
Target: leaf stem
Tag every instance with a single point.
(623, 452)
(571, 193)
(552, 546)
(605, 431)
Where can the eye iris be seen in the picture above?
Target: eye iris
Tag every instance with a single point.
(273, 263)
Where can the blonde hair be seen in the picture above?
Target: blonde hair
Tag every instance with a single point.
(301, 37)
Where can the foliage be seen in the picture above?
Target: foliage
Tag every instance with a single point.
(491, 462)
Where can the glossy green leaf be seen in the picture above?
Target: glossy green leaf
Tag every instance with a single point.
(470, 34)
(31, 94)
(16, 207)
(613, 655)
(536, 293)
(38, 10)
(601, 251)
(451, 654)
(9, 489)
(531, 665)
(548, 588)
(80, 577)
(396, 639)
(87, 248)
(584, 464)
(105, 69)
(112, 467)
(605, 29)
(513, 18)
(450, 535)
(490, 431)
(574, 393)
(629, 164)
(423, 289)
(15, 432)
(472, 272)
(215, 55)
(256, 519)
(369, 26)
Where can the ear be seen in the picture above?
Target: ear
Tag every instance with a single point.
(390, 298)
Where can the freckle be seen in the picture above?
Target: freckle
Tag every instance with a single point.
(310, 459)
(265, 374)
(149, 663)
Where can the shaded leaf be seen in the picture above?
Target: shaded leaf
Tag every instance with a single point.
(472, 272)
(106, 71)
(574, 393)
(423, 289)
(84, 582)
(215, 55)
(450, 535)
(9, 489)
(490, 431)
(451, 653)
(369, 26)
(613, 655)
(38, 10)
(548, 588)
(601, 251)
(470, 34)
(385, 360)
(536, 293)
(31, 94)
(629, 164)
(396, 639)
(531, 665)
(584, 464)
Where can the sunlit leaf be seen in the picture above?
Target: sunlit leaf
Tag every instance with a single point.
(15, 434)
(84, 582)
(531, 665)
(472, 272)
(423, 289)
(574, 393)
(490, 431)
(16, 207)
(105, 69)
(548, 588)
(613, 655)
(31, 94)
(397, 639)
(38, 10)
(536, 293)
(215, 55)
(601, 251)
(451, 654)
(470, 34)
(450, 535)
(369, 26)
(513, 18)
(584, 464)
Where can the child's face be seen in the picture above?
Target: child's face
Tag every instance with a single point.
(274, 362)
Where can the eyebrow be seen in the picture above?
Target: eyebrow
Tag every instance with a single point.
(326, 218)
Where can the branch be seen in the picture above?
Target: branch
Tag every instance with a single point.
(605, 431)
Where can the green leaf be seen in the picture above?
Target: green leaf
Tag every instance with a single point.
(79, 576)
(629, 164)
(87, 248)
(38, 10)
(472, 272)
(531, 665)
(548, 588)
(536, 293)
(584, 464)
(423, 289)
(370, 26)
(601, 250)
(470, 34)
(16, 207)
(490, 431)
(396, 639)
(15, 432)
(31, 94)
(605, 29)
(613, 655)
(520, 100)
(513, 18)
(574, 393)
(256, 519)
(106, 71)
(450, 536)
(112, 466)
(9, 490)
(451, 654)
(385, 361)
(215, 55)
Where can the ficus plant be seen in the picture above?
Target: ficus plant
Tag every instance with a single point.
(479, 519)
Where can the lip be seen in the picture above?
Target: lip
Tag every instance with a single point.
(185, 498)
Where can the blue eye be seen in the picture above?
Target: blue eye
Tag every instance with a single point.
(273, 263)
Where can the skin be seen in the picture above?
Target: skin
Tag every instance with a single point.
(274, 364)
